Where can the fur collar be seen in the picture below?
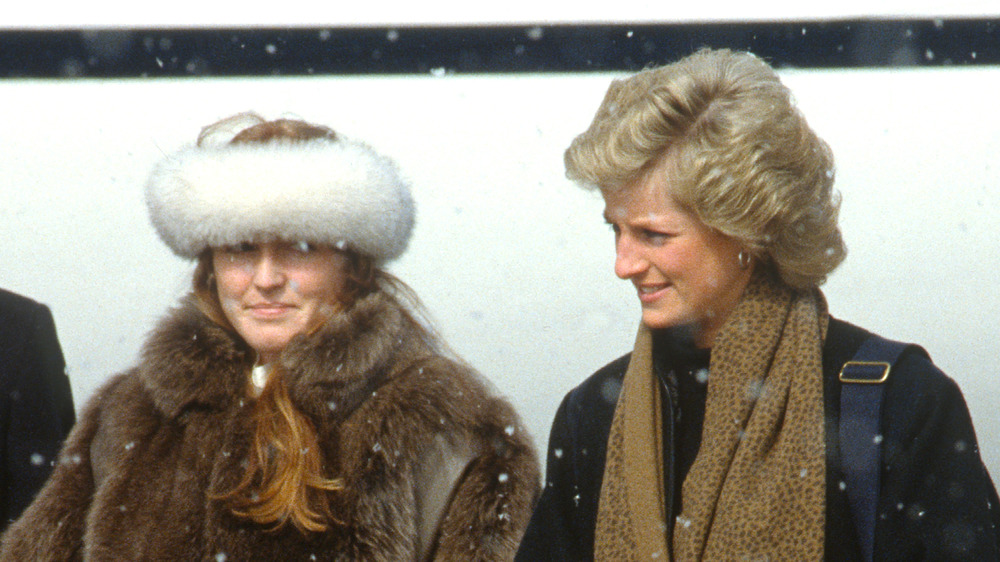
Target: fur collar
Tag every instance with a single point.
(189, 361)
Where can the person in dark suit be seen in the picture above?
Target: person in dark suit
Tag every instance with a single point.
(36, 403)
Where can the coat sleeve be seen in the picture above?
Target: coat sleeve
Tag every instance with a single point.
(52, 527)
(937, 501)
(493, 499)
(562, 527)
(550, 533)
(436, 477)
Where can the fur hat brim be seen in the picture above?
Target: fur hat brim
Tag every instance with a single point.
(337, 192)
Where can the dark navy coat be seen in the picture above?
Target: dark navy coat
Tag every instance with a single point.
(936, 501)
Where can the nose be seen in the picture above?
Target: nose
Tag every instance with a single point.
(267, 272)
(629, 261)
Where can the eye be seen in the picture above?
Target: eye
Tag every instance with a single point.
(655, 237)
(304, 247)
(241, 248)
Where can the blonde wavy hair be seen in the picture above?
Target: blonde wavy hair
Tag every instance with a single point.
(743, 160)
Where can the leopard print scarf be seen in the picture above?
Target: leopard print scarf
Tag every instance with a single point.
(756, 490)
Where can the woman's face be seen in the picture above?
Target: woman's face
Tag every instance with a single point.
(272, 291)
(685, 273)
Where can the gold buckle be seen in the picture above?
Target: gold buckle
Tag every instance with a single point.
(885, 372)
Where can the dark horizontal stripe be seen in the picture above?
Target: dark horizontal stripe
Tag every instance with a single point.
(113, 53)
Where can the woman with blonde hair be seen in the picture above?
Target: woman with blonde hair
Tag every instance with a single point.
(292, 407)
(745, 423)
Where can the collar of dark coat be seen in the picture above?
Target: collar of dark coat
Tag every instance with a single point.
(189, 361)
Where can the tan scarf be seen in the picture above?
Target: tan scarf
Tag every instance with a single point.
(757, 489)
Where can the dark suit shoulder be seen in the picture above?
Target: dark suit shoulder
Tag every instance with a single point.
(601, 388)
(28, 341)
(17, 313)
(843, 340)
(13, 301)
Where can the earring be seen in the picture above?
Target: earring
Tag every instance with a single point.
(744, 259)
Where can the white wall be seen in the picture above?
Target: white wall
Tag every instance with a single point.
(514, 263)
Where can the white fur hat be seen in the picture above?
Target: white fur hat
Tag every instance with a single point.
(338, 192)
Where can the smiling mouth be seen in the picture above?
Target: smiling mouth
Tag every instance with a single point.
(650, 293)
(269, 309)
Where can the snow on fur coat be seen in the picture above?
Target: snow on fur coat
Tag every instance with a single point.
(435, 466)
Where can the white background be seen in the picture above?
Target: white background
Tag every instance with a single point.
(513, 262)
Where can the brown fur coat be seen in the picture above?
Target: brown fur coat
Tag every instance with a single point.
(435, 466)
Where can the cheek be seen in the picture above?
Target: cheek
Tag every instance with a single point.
(680, 260)
(231, 283)
(305, 284)
(709, 279)
(227, 289)
(720, 275)
(321, 285)
(335, 277)
(230, 308)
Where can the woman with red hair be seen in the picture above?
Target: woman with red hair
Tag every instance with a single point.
(292, 407)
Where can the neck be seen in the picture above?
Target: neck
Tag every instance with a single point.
(701, 334)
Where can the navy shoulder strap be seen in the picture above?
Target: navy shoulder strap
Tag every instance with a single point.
(862, 383)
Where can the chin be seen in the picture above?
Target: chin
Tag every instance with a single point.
(657, 323)
(657, 320)
(267, 346)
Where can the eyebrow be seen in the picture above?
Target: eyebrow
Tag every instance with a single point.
(644, 221)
